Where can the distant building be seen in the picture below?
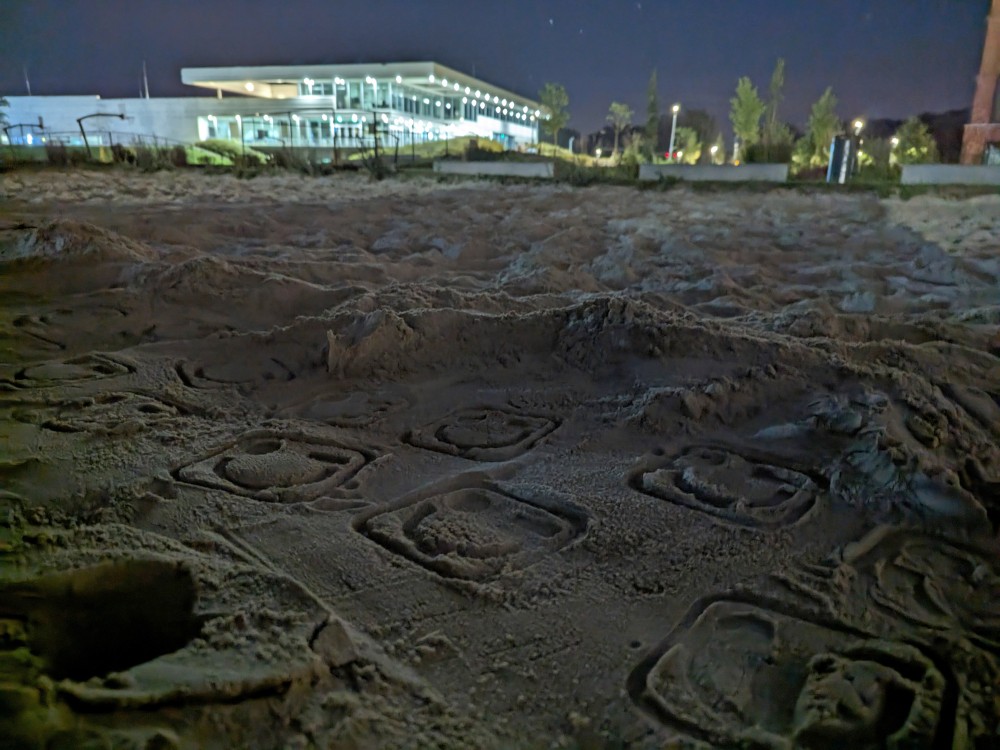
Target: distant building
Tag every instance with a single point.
(982, 134)
(315, 106)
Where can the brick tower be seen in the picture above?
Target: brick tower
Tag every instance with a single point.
(985, 125)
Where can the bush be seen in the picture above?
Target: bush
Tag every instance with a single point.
(57, 154)
(178, 156)
(152, 159)
(475, 152)
(235, 152)
(122, 155)
(288, 159)
(776, 153)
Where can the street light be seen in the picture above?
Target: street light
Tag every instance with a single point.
(714, 150)
(859, 125)
(894, 141)
(79, 122)
(673, 129)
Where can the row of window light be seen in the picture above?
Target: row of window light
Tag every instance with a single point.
(419, 124)
(509, 106)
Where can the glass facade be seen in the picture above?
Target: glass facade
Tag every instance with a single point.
(347, 113)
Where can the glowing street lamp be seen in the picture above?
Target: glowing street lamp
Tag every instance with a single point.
(714, 150)
(894, 141)
(673, 129)
(859, 125)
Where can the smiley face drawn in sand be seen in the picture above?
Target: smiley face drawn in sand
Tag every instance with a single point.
(483, 434)
(735, 674)
(475, 533)
(278, 467)
(730, 486)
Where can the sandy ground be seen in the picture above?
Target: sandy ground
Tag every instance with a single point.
(294, 463)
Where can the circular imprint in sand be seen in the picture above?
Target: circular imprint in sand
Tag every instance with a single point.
(731, 486)
(89, 622)
(476, 533)
(78, 369)
(736, 675)
(354, 410)
(277, 467)
(483, 434)
(237, 372)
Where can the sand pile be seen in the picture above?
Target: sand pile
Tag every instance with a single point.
(314, 463)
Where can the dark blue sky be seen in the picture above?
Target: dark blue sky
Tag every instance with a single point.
(882, 57)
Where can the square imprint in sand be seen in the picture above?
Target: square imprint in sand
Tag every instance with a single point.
(483, 434)
(725, 484)
(475, 533)
(277, 467)
(735, 674)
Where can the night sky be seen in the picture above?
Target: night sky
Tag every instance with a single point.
(884, 58)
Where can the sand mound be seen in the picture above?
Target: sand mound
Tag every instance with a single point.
(66, 241)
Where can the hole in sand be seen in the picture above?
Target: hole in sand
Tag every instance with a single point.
(106, 618)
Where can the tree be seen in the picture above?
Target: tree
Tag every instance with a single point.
(777, 136)
(746, 109)
(620, 117)
(775, 94)
(813, 150)
(554, 98)
(651, 132)
(915, 144)
(688, 144)
(703, 124)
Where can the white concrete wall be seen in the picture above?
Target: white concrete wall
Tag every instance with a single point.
(175, 119)
(711, 173)
(543, 170)
(949, 174)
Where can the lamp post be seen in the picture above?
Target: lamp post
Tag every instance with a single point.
(243, 141)
(855, 165)
(714, 150)
(673, 129)
(79, 122)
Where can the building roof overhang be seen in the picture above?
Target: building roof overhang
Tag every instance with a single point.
(281, 81)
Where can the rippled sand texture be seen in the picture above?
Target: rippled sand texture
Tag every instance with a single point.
(291, 463)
